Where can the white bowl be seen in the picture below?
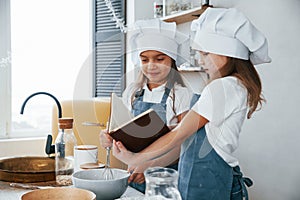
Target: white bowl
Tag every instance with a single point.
(104, 189)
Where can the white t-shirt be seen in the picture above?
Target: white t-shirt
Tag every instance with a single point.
(182, 100)
(223, 103)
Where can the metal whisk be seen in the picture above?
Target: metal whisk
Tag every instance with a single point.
(107, 173)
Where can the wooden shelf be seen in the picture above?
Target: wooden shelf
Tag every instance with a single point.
(186, 16)
(191, 69)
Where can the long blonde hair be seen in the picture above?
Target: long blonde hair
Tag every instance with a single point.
(172, 78)
(245, 71)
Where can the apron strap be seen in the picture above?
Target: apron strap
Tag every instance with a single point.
(165, 96)
(244, 181)
(139, 93)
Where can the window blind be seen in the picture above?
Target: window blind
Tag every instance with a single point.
(109, 48)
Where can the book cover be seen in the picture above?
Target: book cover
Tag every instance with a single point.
(136, 133)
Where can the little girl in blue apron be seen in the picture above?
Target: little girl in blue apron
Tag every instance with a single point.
(156, 47)
(229, 47)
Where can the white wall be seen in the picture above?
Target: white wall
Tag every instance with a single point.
(270, 140)
(23, 147)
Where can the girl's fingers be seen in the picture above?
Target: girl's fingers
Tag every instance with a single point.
(116, 149)
(139, 178)
(132, 177)
(120, 146)
(105, 139)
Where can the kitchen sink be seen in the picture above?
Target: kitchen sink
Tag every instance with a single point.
(27, 169)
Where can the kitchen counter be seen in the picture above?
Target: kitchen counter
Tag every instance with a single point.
(12, 193)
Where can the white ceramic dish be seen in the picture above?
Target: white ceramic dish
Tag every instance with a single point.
(104, 189)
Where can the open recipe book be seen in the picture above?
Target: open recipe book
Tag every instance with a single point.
(136, 133)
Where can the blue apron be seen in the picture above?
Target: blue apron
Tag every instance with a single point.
(140, 106)
(204, 175)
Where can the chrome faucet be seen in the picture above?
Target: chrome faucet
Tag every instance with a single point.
(49, 149)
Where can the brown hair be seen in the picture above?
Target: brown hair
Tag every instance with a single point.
(172, 78)
(245, 71)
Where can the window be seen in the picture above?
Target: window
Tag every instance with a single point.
(109, 48)
(5, 66)
(49, 44)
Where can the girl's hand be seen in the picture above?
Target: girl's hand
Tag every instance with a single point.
(105, 139)
(137, 173)
(120, 152)
(137, 178)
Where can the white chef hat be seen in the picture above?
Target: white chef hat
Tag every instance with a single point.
(155, 34)
(229, 32)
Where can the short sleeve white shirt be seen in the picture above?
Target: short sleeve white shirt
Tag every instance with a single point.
(181, 101)
(223, 103)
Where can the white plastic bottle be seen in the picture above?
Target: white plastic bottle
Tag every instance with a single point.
(64, 152)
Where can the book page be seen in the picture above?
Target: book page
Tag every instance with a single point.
(119, 113)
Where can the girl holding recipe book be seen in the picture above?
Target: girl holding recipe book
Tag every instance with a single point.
(158, 48)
